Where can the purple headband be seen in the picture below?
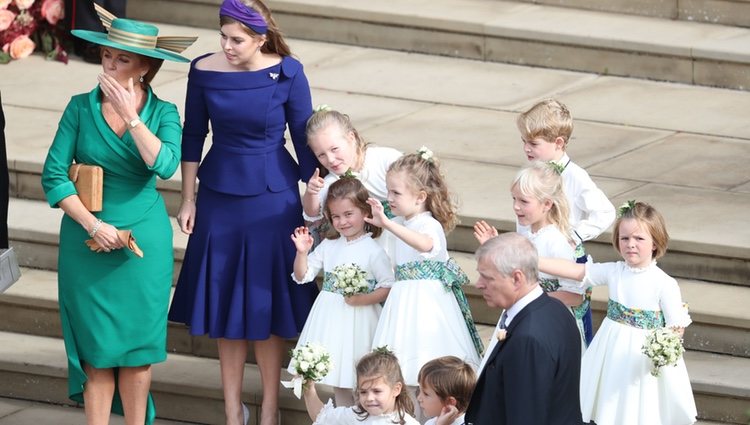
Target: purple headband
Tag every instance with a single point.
(247, 15)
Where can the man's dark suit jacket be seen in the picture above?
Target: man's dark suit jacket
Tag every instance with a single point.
(532, 377)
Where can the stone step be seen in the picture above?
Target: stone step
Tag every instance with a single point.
(725, 12)
(718, 259)
(721, 321)
(638, 150)
(502, 31)
(185, 388)
(34, 233)
(188, 389)
(21, 412)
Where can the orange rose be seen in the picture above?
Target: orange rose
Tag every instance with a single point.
(6, 18)
(53, 10)
(24, 4)
(21, 47)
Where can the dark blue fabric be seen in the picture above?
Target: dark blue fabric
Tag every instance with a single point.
(235, 280)
(588, 325)
(249, 112)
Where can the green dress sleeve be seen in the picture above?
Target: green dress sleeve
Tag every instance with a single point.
(55, 181)
(169, 131)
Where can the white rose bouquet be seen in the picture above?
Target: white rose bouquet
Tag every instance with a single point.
(664, 347)
(311, 362)
(350, 279)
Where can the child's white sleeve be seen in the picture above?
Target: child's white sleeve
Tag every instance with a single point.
(434, 230)
(322, 195)
(565, 252)
(598, 273)
(330, 415)
(381, 268)
(599, 213)
(674, 310)
(314, 263)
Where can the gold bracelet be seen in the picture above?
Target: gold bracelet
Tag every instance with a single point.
(188, 199)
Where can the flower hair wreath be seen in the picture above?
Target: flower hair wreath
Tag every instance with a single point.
(383, 350)
(425, 154)
(625, 208)
(323, 107)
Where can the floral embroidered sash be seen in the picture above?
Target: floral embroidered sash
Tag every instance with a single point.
(329, 279)
(549, 284)
(642, 319)
(452, 277)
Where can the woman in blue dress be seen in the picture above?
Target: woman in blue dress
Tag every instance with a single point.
(235, 284)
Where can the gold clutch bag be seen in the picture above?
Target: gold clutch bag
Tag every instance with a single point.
(89, 183)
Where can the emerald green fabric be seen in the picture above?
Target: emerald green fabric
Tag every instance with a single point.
(113, 306)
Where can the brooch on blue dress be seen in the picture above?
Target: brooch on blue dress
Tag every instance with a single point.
(273, 75)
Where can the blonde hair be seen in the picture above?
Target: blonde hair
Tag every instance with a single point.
(652, 221)
(542, 181)
(323, 118)
(352, 189)
(548, 119)
(424, 174)
(275, 42)
(449, 376)
(383, 364)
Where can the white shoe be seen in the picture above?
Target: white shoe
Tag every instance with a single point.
(245, 413)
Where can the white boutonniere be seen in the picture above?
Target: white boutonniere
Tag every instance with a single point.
(501, 334)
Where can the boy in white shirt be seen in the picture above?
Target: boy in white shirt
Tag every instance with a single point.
(545, 131)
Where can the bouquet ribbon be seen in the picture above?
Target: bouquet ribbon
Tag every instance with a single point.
(296, 384)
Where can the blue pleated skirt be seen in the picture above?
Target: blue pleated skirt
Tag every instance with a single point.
(235, 280)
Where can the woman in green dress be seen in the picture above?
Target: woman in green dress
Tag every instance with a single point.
(113, 304)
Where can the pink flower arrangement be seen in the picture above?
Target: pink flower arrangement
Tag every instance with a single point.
(29, 25)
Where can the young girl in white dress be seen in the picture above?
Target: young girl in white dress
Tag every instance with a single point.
(426, 314)
(381, 396)
(340, 149)
(345, 326)
(617, 387)
(540, 204)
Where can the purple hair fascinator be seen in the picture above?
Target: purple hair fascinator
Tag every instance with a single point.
(237, 10)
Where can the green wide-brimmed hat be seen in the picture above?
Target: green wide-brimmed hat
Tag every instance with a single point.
(136, 37)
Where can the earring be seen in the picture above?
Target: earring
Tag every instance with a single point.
(140, 80)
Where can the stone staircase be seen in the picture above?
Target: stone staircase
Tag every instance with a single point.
(682, 147)
(708, 45)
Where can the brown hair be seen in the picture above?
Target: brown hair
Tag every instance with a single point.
(323, 118)
(548, 119)
(652, 221)
(542, 181)
(449, 376)
(382, 363)
(153, 67)
(274, 38)
(352, 189)
(424, 174)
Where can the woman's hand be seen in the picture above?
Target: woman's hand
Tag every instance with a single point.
(303, 240)
(483, 231)
(378, 213)
(107, 238)
(123, 100)
(186, 216)
(316, 183)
